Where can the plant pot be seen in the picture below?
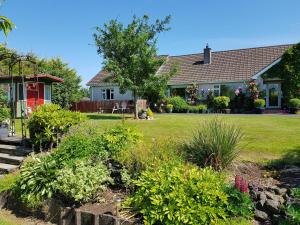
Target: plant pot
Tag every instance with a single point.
(294, 110)
(227, 111)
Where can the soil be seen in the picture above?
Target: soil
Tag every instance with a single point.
(260, 176)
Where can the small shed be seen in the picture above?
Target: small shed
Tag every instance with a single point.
(36, 90)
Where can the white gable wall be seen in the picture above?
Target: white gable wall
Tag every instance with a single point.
(96, 93)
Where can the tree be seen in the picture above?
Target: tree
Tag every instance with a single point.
(6, 25)
(130, 54)
(67, 92)
(288, 70)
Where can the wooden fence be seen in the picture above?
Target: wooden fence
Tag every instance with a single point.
(106, 106)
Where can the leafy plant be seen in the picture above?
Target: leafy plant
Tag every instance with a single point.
(49, 122)
(4, 113)
(240, 204)
(78, 146)
(119, 138)
(179, 104)
(83, 180)
(180, 194)
(294, 103)
(169, 108)
(36, 179)
(259, 103)
(221, 102)
(214, 144)
(150, 113)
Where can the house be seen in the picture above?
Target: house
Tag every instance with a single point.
(210, 71)
(37, 90)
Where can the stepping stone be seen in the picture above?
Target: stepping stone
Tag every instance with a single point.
(6, 168)
(14, 150)
(11, 159)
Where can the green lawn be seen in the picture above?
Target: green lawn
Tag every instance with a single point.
(266, 136)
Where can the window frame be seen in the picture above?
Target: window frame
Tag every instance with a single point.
(218, 89)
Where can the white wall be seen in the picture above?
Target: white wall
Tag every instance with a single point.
(96, 93)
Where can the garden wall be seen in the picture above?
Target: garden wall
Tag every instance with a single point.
(106, 106)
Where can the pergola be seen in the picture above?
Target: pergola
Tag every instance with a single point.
(26, 92)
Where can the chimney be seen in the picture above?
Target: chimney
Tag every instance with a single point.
(207, 55)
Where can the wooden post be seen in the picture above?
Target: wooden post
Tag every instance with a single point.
(78, 218)
(96, 219)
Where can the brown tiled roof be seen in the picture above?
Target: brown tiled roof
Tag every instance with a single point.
(232, 65)
(99, 78)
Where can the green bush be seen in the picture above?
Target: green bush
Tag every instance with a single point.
(292, 210)
(4, 113)
(179, 104)
(49, 122)
(35, 183)
(141, 157)
(214, 144)
(150, 113)
(119, 138)
(240, 204)
(82, 181)
(169, 108)
(221, 102)
(259, 103)
(294, 103)
(181, 194)
(78, 146)
(201, 108)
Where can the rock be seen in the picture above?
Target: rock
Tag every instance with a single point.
(260, 215)
(272, 206)
(281, 191)
(271, 196)
(262, 197)
(260, 205)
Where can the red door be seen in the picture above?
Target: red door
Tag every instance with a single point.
(35, 95)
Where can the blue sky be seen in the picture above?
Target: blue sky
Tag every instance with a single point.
(64, 28)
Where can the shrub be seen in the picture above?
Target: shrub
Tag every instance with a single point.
(180, 194)
(292, 210)
(214, 144)
(119, 138)
(169, 108)
(82, 181)
(240, 204)
(179, 104)
(48, 122)
(35, 182)
(221, 102)
(150, 113)
(77, 146)
(141, 157)
(294, 103)
(4, 113)
(201, 108)
(259, 103)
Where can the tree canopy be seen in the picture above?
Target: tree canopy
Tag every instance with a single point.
(288, 69)
(130, 54)
(63, 94)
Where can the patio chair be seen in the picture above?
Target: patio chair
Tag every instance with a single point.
(116, 108)
(123, 107)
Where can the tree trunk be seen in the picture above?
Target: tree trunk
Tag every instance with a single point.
(136, 112)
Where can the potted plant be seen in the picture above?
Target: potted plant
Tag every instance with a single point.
(259, 105)
(169, 108)
(4, 121)
(150, 114)
(294, 105)
(221, 103)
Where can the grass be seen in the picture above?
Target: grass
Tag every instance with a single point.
(266, 136)
(5, 222)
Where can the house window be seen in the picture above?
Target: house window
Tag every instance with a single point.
(21, 92)
(217, 90)
(108, 94)
(47, 92)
